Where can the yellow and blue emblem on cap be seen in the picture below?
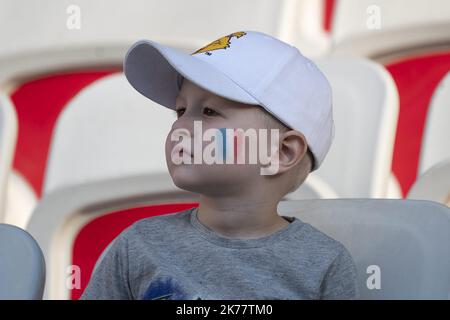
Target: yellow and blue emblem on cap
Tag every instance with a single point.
(221, 43)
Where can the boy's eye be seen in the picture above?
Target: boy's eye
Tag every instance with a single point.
(207, 111)
(179, 112)
(210, 112)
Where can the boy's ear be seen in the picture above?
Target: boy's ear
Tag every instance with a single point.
(292, 149)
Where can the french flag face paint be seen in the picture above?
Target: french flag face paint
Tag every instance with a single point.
(221, 144)
(227, 144)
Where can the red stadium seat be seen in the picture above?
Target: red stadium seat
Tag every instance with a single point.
(39, 103)
(8, 135)
(95, 236)
(416, 78)
(74, 224)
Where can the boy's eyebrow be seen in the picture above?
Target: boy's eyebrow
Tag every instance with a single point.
(224, 105)
(207, 99)
(180, 97)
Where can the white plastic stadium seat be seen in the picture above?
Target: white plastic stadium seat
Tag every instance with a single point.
(17, 198)
(406, 240)
(22, 265)
(433, 184)
(404, 25)
(60, 215)
(435, 144)
(107, 131)
(57, 41)
(20, 200)
(365, 108)
(400, 247)
(8, 136)
(312, 188)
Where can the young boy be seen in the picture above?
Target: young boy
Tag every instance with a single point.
(235, 245)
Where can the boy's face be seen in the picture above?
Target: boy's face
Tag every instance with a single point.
(214, 112)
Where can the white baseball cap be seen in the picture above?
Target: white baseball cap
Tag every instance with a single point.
(246, 66)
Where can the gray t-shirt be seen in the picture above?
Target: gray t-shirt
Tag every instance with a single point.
(176, 257)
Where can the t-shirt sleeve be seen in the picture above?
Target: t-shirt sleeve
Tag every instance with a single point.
(340, 281)
(109, 278)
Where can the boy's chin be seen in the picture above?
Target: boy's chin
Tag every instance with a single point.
(200, 182)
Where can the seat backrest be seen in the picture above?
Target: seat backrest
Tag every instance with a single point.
(379, 28)
(365, 110)
(433, 184)
(22, 265)
(414, 107)
(58, 41)
(62, 214)
(435, 146)
(312, 188)
(95, 237)
(8, 136)
(108, 130)
(403, 243)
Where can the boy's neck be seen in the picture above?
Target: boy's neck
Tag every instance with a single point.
(247, 220)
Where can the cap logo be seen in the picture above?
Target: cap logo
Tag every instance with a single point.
(221, 43)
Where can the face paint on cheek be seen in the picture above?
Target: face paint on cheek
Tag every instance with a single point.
(238, 155)
(232, 145)
(221, 139)
(228, 145)
(224, 143)
(235, 144)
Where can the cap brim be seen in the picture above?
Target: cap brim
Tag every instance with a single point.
(153, 70)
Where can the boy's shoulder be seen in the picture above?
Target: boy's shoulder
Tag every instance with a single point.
(304, 233)
(158, 226)
(303, 237)
(177, 218)
(315, 235)
(316, 244)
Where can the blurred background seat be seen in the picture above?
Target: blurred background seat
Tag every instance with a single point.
(416, 76)
(414, 46)
(435, 143)
(107, 131)
(38, 102)
(8, 136)
(433, 184)
(382, 28)
(313, 187)
(20, 200)
(22, 265)
(405, 241)
(365, 108)
(102, 36)
(73, 225)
